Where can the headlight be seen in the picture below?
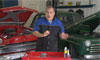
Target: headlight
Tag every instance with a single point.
(0, 40)
(87, 43)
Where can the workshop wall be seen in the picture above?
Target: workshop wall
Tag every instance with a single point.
(87, 11)
(38, 5)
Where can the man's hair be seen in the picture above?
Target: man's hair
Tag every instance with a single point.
(50, 7)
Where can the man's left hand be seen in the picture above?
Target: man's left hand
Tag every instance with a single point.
(64, 36)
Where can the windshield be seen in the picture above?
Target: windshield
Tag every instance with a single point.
(67, 20)
(70, 20)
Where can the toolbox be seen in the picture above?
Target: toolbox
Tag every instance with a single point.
(45, 56)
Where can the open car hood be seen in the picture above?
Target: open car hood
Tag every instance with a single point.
(15, 14)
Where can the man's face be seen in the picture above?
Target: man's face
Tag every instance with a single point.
(49, 13)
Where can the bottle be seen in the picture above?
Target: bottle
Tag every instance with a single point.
(65, 52)
(68, 54)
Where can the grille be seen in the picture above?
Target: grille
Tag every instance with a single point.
(95, 47)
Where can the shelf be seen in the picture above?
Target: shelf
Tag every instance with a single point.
(81, 6)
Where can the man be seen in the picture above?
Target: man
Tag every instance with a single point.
(47, 29)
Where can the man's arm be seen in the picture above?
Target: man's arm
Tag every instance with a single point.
(64, 35)
(38, 34)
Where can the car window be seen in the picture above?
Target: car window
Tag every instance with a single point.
(77, 18)
(67, 20)
(36, 18)
(42, 15)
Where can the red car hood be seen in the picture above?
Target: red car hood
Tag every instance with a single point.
(16, 14)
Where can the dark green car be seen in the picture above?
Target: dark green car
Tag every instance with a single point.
(84, 39)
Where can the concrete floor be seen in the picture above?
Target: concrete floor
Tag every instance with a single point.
(75, 59)
(83, 59)
(80, 58)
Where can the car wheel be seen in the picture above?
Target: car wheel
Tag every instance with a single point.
(73, 52)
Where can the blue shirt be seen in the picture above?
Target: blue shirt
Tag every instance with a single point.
(44, 21)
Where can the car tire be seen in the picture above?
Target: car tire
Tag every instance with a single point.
(72, 51)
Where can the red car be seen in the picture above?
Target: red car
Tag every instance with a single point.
(14, 37)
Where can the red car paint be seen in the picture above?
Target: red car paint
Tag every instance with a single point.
(23, 17)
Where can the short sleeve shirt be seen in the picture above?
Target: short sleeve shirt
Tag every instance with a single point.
(44, 21)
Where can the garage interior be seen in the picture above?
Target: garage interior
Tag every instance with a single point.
(82, 18)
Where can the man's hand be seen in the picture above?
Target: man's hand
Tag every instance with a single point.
(46, 33)
(64, 36)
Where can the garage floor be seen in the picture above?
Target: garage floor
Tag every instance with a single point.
(75, 59)
(84, 59)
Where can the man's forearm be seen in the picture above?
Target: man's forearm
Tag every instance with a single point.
(38, 34)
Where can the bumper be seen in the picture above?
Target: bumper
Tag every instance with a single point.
(92, 56)
(12, 56)
(18, 47)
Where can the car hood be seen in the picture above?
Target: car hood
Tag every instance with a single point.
(15, 14)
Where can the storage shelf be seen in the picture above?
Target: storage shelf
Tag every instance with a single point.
(81, 6)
